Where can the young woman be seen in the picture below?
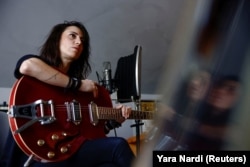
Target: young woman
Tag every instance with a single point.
(64, 62)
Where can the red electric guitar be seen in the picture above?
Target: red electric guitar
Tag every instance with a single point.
(50, 123)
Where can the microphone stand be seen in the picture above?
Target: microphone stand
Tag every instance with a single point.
(137, 125)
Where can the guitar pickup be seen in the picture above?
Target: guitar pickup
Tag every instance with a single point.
(74, 112)
(93, 113)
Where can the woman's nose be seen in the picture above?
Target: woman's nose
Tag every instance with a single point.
(78, 40)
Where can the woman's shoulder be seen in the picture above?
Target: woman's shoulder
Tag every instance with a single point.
(17, 74)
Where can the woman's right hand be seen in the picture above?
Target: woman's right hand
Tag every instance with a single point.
(89, 86)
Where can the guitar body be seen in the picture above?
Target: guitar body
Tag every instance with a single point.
(60, 139)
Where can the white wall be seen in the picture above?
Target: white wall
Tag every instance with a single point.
(115, 27)
(4, 94)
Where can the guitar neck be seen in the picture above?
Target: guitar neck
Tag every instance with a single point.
(112, 113)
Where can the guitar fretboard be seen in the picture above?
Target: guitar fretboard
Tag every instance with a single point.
(112, 113)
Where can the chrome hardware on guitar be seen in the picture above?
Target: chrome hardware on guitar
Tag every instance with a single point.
(93, 113)
(30, 111)
(74, 112)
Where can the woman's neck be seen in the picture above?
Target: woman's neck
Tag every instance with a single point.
(64, 68)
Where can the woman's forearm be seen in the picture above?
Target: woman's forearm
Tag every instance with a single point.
(36, 68)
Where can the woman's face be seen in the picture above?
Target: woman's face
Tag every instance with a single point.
(224, 95)
(198, 85)
(71, 44)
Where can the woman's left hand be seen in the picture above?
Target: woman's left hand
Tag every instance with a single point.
(126, 111)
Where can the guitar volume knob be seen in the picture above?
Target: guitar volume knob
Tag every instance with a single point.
(64, 149)
(40, 142)
(51, 154)
(54, 137)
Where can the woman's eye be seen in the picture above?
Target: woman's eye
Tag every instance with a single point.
(72, 36)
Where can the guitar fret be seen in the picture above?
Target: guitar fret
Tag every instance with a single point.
(112, 113)
(108, 113)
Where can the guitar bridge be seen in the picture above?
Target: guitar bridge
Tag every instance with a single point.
(30, 111)
(74, 112)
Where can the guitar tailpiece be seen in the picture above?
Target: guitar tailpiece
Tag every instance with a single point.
(29, 160)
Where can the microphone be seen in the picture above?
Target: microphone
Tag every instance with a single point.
(107, 75)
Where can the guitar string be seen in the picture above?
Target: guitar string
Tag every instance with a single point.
(110, 111)
(86, 107)
(100, 108)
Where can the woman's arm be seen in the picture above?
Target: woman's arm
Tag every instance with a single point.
(38, 69)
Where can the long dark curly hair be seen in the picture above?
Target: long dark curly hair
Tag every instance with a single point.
(50, 51)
